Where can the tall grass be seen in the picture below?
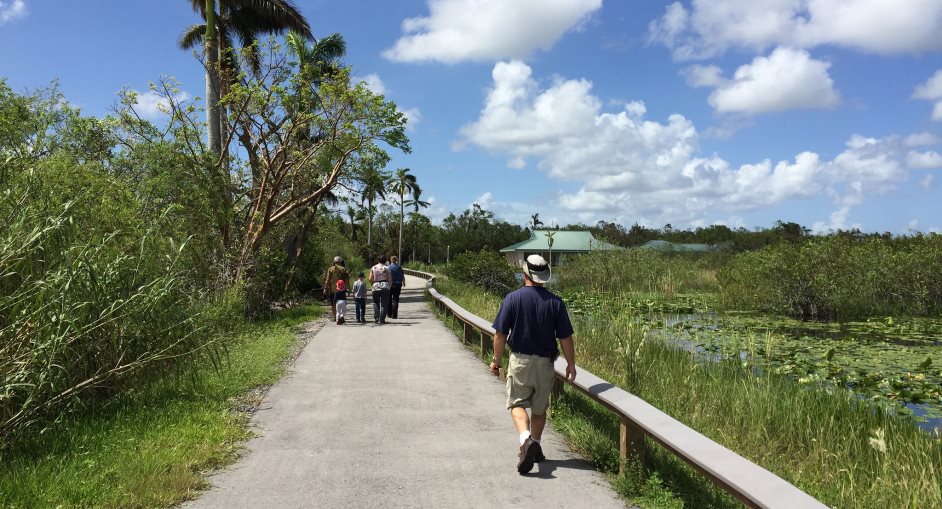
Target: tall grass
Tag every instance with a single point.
(829, 443)
(82, 319)
(152, 447)
(642, 271)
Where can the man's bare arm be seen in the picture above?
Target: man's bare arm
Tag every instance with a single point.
(569, 352)
(500, 342)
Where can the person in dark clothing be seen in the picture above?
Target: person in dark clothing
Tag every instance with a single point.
(398, 281)
(530, 321)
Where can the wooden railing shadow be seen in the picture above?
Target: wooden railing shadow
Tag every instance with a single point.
(751, 484)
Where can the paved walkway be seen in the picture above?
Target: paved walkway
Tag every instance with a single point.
(398, 415)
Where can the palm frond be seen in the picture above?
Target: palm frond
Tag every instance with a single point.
(199, 7)
(330, 48)
(192, 37)
(280, 13)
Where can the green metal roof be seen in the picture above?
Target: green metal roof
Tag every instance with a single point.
(663, 245)
(563, 241)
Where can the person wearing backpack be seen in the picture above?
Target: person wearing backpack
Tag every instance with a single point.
(379, 278)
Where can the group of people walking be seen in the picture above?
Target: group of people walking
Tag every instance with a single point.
(386, 281)
(533, 323)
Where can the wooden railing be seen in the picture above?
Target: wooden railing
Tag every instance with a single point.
(748, 482)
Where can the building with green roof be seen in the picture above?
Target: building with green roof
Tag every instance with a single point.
(564, 243)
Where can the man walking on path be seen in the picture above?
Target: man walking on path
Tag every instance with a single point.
(398, 281)
(337, 272)
(530, 320)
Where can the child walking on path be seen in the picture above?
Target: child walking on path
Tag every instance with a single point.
(340, 298)
(359, 298)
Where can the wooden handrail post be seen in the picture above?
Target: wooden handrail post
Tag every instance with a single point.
(630, 442)
(483, 344)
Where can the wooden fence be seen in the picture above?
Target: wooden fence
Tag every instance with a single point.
(751, 484)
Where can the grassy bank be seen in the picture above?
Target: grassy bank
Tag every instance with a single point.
(829, 443)
(153, 447)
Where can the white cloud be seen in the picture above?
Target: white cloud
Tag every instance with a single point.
(413, 117)
(924, 160)
(484, 200)
(787, 79)
(517, 163)
(152, 106)
(931, 90)
(487, 30)
(708, 28)
(650, 171)
(11, 11)
(704, 76)
(374, 83)
(922, 139)
(926, 182)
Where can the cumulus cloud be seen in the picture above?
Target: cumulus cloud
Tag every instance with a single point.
(704, 76)
(487, 30)
(413, 117)
(924, 160)
(12, 11)
(922, 140)
(484, 200)
(374, 83)
(152, 106)
(787, 79)
(708, 28)
(931, 90)
(640, 169)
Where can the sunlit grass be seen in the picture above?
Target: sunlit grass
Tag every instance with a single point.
(151, 448)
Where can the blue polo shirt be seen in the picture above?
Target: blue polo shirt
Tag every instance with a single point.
(533, 318)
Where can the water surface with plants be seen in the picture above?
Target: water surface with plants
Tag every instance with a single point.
(895, 362)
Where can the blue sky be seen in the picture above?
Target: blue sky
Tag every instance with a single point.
(741, 112)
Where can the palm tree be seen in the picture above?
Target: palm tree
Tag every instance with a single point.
(355, 214)
(403, 183)
(549, 242)
(374, 187)
(417, 203)
(224, 21)
(535, 221)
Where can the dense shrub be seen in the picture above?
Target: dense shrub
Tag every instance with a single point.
(839, 277)
(485, 270)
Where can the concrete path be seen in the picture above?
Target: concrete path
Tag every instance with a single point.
(395, 415)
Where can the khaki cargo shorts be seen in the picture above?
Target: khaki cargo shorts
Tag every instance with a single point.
(529, 382)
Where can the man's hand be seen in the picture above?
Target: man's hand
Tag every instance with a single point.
(495, 368)
(571, 372)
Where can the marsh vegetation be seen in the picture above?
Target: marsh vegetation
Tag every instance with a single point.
(846, 410)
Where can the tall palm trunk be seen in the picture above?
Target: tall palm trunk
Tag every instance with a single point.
(211, 41)
(369, 228)
(401, 221)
